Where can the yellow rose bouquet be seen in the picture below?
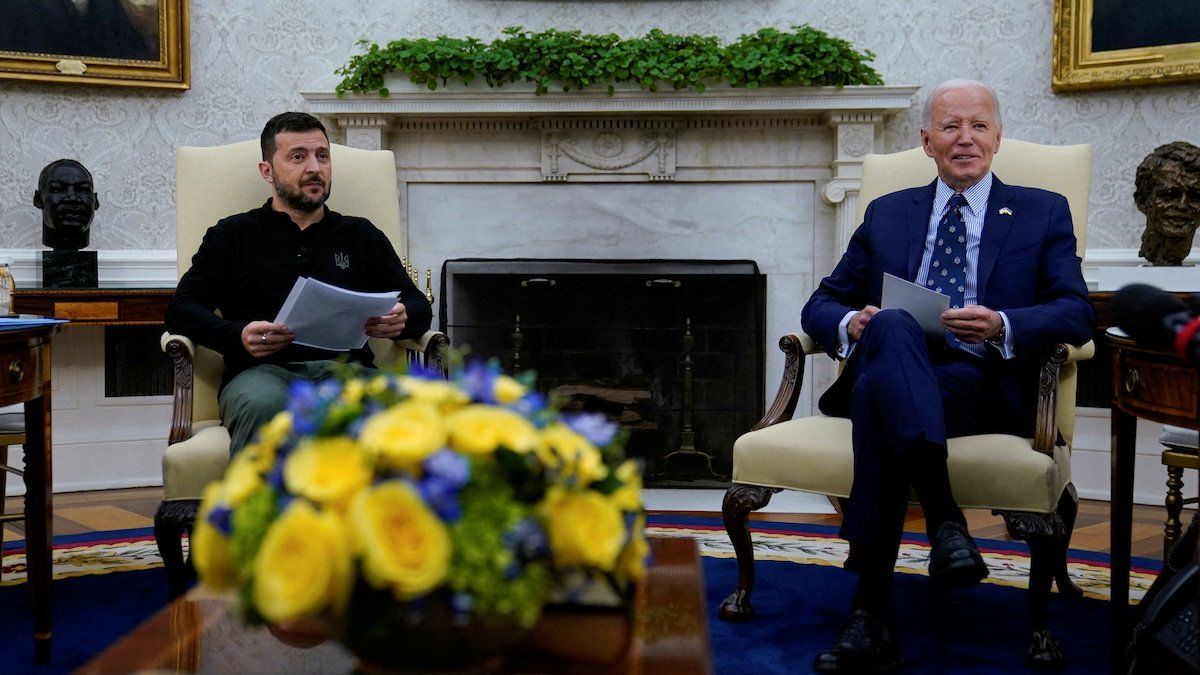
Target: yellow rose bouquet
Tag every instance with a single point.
(406, 510)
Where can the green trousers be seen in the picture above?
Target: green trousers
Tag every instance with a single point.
(257, 394)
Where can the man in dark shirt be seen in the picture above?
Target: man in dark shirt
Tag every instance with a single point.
(247, 264)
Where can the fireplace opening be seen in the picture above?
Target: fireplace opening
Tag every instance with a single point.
(672, 350)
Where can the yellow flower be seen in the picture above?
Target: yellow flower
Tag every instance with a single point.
(352, 392)
(632, 562)
(243, 476)
(507, 390)
(377, 385)
(303, 566)
(405, 434)
(479, 429)
(584, 528)
(438, 392)
(273, 433)
(405, 546)
(327, 470)
(562, 448)
(209, 548)
(628, 497)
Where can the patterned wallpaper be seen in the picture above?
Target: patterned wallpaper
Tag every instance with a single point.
(250, 60)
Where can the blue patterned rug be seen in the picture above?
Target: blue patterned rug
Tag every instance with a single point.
(107, 583)
(801, 596)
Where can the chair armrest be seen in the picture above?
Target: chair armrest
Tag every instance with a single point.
(1074, 354)
(429, 350)
(1045, 432)
(795, 347)
(182, 351)
(807, 344)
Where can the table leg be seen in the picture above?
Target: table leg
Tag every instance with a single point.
(1123, 450)
(38, 515)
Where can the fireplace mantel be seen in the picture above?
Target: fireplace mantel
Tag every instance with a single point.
(520, 99)
(855, 114)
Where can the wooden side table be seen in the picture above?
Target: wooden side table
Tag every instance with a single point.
(108, 306)
(668, 634)
(25, 378)
(1152, 385)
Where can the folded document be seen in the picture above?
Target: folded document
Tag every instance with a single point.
(924, 305)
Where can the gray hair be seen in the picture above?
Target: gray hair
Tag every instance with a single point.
(958, 83)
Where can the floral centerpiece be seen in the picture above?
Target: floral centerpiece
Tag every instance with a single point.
(414, 517)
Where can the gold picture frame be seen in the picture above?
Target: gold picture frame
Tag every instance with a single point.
(155, 56)
(1078, 66)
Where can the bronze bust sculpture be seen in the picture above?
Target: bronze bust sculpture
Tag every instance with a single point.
(1167, 190)
(67, 200)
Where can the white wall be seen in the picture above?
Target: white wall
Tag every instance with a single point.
(250, 60)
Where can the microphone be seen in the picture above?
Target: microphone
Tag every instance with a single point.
(1157, 319)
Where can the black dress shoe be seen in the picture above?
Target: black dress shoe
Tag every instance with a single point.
(954, 561)
(865, 645)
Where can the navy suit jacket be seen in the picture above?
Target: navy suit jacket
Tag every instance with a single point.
(1027, 268)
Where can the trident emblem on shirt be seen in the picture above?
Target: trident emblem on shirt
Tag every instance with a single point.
(342, 260)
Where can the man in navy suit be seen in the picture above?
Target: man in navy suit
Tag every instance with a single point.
(1016, 289)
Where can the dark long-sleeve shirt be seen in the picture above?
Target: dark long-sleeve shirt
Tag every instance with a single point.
(247, 264)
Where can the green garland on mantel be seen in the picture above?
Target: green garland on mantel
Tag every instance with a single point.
(573, 60)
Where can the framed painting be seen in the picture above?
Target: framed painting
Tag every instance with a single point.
(1101, 44)
(131, 43)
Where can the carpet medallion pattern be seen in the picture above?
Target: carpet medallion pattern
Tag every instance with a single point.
(1007, 563)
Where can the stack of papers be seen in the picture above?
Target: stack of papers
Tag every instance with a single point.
(325, 316)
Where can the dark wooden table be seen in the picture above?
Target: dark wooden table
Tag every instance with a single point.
(25, 378)
(1152, 385)
(108, 306)
(667, 633)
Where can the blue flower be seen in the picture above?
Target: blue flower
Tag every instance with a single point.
(329, 390)
(275, 477)
(220, 517)
(478, 379)
(424, 372)
(304, 402)
(446, 473)
(593, 426)
(531, 405)
(448, 466)
(442, 498)
(527, 538)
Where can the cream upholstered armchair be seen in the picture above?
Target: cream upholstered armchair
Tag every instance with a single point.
(1028, 481)
(210, 184)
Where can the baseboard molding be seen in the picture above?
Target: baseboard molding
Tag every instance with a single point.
(105, 465)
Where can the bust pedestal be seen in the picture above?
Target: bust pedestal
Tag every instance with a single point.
(68, 269)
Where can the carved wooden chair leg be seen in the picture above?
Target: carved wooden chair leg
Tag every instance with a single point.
(1068, 509)
(1044, 535)
(1172, 527)
(171, 520)
(739, 501)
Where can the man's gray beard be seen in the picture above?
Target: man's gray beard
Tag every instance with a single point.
(299, 201)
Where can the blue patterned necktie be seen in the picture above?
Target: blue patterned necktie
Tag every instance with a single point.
(948, 268)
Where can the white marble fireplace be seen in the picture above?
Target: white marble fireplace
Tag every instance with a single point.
(764, 175)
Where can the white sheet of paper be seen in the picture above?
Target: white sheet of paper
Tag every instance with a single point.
(328, 317)
(926, 306)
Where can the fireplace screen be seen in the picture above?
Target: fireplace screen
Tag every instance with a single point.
(673, 350)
